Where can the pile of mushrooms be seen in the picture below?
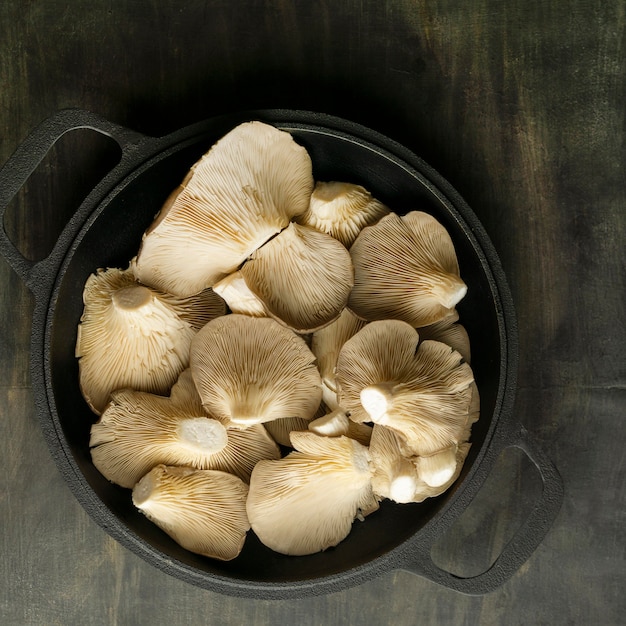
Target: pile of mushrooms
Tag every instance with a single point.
(307, 364)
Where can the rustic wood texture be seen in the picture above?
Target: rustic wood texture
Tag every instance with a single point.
(520, 104)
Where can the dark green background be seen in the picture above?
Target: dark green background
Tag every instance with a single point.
(520, 104)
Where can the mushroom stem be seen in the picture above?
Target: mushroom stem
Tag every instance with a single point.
(234, 290)
(395, 475)
(143, 491)
(332, 424)
(449, 290)
(402, 488)
(244, 412)
(437, 469)
(131, 298)
(201, 434)
(396, 480)
(376, 400)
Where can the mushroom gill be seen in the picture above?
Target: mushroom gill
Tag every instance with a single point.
(405, 268)
(242, 192)
(250, 370)
(342, 210)
(139, 430)
(307, 501)
(204, 511)
(425, 392)
(133, 336)
(303, 277)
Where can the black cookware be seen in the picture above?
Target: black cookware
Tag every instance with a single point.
(106, 231)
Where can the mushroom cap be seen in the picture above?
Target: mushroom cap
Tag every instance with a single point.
(307, 501)
(450, 332)
(133, 336)
(204, 511)
(426, 394)
(326, 344)
(302, 277)
(138, 431)
(252, 370)
(405, 268)
(342, 210)
(243, 191)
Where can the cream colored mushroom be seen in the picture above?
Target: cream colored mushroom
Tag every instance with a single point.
(326, 344)
(307, 501)
(140, 430)
(302, 277)
(424, 392)
(405, 268)
(204, 511)
(242, 192)
(405, 479)
(395, 475)
(280, 429)
(381, 351)
(342, 210)
(251, 370)
(450, 332)
(133, 336)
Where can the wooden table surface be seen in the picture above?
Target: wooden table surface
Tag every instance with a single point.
(519, 104)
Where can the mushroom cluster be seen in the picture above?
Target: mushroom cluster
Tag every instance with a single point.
(308, 364)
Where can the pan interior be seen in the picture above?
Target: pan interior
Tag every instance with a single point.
(112, 239)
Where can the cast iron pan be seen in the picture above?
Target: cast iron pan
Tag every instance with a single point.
(106, 231)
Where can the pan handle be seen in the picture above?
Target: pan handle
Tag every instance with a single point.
(27, 157)
(519, 549)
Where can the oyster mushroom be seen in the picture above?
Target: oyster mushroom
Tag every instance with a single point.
(450, 332)
(302, 277)
(342, 210)
(326, 344)
(138, 431)
(395, 475)
(404, 478)
(424, 392)
(242, 192)
(133, 336)
(251, 370)
(405, 268)
(307, 501)
(204, 511)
